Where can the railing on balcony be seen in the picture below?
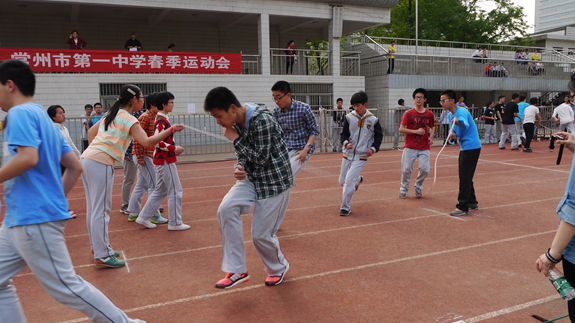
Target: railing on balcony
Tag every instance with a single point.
(250, 64)
(305, 62)
(465, 66)
(350, 63)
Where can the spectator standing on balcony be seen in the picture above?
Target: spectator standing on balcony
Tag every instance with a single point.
(498, 107)
(88, 108)
(76, 42)
(461, 104)
(132, 44)
(391, 58)
(508, 115)
(518, 120)
(531, 113)
(502, 71)
(418, 125)
(535, 56)
(171, 47)
(397, 116)
(563, 115)
(478, 53)
(519, 56)
(298, 124)
(290, 56)
(338, 115)
(489, 116)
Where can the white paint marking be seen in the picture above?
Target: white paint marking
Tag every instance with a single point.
(339, 271)
(511, 309)
(126, 261)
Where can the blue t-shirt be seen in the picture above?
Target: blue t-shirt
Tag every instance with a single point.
(566, 210)
(521, 113)
(94, 119)
(465, 129)
(37, 196)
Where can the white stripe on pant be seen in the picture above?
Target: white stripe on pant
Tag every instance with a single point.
(407, 159)
(146, 183)
(98, 183)
(169, 186)
(268, 215)
(130, 170)
(42, 247)
(349, 177)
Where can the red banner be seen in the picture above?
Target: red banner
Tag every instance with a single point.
(107, 61)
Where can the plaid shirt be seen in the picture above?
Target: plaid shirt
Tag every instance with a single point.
(262, 151)
(128, 153)
(298, 124)
(147, 122)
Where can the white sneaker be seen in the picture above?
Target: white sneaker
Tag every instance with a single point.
(72, 214)
(138, 321)
(145, 223)
(178, 227)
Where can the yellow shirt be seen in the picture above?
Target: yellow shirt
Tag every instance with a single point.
(391, 51)
(534, 57)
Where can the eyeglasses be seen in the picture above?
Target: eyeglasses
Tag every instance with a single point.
(443, 101)
(279, 98)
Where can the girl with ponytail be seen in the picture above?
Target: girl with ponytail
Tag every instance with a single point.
(109, 138)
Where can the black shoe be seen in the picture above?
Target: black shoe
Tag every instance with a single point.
(344, 212)
(501, 147)
(473, 207)
(360, 181)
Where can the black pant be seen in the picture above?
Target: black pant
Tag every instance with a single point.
(391, 65)
(467, 164)
(569, 269)
(84, 144)
(289, 65)
(529, 129)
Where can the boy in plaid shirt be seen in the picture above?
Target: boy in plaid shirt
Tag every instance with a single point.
(264, 177)
(142, 157)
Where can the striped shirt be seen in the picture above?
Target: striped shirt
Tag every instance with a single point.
(116, 139)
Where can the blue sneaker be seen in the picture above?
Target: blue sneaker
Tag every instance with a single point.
(159, 220)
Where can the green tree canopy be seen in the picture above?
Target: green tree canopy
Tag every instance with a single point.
(456, 20)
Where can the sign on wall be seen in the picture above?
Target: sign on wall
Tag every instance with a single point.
(106, 61)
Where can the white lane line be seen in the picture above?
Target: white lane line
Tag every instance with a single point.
(519, 165)
(126, 261)
(511, 309)
(326, 273)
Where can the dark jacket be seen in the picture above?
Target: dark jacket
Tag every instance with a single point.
(81, 43)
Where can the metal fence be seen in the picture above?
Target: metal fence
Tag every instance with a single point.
(250, 64)
(312, 62)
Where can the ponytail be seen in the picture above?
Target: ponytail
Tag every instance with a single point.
(127, 93)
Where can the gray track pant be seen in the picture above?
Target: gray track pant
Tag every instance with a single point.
(42, 247)
(512, 130)
(349, 177)
(489, 131)
(268, 215)
(407, 159)
(147, 182)
(130, 170)
(98, 183)
(169, 186)
(295, 162)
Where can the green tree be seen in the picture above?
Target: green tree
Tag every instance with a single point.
(456, 20)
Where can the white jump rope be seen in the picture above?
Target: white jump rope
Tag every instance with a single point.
(447, 138)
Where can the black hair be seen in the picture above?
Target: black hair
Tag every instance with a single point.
(420, 90)
(132, 33)
(450, 94)
(534, 101)
(522, 98)
(151, 100)
(461, 96)
(289, 42)
(162, 98)
(98, 103)
(127, 93)
(282, 86)
(571, 84)
(20, 73)
(53, 109)
(220, 98)
(360, 97)
(339, 99)
(88, 106)
(514, 96)
(489, 103)
(400, 101)
(171, 46)
(499, 97)
(74, 31)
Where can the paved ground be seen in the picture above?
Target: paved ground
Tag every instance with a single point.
(391, 260)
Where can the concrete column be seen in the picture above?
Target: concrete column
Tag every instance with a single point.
(334, 34)
(264, 43)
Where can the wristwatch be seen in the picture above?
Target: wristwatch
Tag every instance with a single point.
(308, 144)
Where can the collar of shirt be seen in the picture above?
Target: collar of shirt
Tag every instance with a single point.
(249, 113)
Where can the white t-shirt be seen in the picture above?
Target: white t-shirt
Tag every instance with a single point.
(530, 114)
(84, 123)
(477, 53)
(564, 112)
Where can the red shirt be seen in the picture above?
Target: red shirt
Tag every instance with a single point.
(414, 120)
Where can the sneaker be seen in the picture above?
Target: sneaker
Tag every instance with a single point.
(473, 206)
(402, 195)
(418, 194)
(343, 212)
(111, 262)
(360, 181)
(124, 209)
(158, 219)
(276, 280)
(132, 217)
(514, 148)
(145, 223)
(161, 208)
(178, 227)
(116, 254)
(501, 147)
(458, 212)
(334, 150)
(232, 280)
(72, 214)
(527, 150)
